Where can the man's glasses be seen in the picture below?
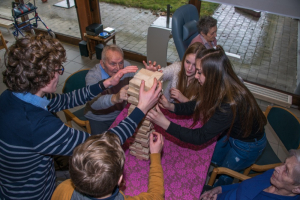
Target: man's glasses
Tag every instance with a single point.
(60, 70)
(120, 64)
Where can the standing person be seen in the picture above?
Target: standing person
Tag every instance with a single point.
(181, 76)
(207, 28)
(96, 170)
(104, 109)
(225, 106)
(30, 134)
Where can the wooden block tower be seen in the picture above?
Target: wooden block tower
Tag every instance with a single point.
(140, 146)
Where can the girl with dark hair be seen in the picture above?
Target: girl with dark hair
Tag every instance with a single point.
(226, 107)
(181, 76)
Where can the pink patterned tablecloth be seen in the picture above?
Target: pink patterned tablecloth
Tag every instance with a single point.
(185, 166)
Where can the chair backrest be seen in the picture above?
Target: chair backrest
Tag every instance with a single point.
(285, 124)
(75, 81)
(184, 27)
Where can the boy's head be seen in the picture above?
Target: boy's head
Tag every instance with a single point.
(96, 166)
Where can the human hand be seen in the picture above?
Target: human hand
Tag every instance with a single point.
(176, 94)
(151, 67)
(120, 96)
(211, 194)
(115, 79)
(147, 99)
(157, 117)
(164, 103)
(156, 142)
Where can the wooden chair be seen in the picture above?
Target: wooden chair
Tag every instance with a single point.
(73, 82)
(234, 174)
(287, 127)
(2, 42)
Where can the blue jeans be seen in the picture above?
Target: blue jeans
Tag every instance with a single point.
(236, 155)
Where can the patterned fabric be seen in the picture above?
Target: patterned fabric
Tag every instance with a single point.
(200, 39)
(185, 166)
(171, 75)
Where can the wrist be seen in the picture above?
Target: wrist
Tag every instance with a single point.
(165, 124)
(171, 107)
(107, 83)
(143, 109)
(102, 84)
(113, 99)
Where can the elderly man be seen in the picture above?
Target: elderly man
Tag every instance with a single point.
(283, 182)
(103, 110)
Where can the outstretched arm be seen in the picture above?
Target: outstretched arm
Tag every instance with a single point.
(115, 79)
(147, 99)
(79, 97)
(218, 123)
(156, 178)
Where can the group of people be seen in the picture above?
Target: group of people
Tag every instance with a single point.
(203, 85)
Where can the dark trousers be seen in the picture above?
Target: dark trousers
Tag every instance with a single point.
(98, 127)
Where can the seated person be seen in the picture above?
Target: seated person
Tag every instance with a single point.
(103, 110)
(180, 76)
(96, 170)
(283, 182)
(207, 28)
(30, 134)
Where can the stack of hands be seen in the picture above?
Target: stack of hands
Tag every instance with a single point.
(175, 93)
(147, 99)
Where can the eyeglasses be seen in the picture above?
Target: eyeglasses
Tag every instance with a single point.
(120, 64)
(61, 70)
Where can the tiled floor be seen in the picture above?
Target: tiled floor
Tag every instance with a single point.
(75, 62)
(267, 45)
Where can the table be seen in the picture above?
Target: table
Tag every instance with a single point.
(185, 166)
(98, 39)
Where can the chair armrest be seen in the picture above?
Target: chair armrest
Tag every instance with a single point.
(229, 172)
(263, 168)
(71, 116)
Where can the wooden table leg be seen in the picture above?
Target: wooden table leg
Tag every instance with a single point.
(89, 48)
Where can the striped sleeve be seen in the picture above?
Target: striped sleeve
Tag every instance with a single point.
(53, 137)
(72, 99)
(127, 126)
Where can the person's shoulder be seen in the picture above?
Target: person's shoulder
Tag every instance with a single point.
(126, 63)
(197, 38)
(95, 68)
(64, 191)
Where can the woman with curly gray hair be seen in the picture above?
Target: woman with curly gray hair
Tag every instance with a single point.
(207, 28)
(30, 134)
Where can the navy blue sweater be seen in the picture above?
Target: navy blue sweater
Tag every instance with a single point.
(30, 135)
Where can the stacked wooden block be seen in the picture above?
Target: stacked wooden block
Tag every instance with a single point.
(140, 146)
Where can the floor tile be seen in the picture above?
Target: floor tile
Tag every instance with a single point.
(72, 67)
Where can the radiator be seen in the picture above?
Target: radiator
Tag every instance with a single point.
(269, 95)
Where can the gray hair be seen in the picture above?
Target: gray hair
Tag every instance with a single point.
(296, 171)
(205, 24)
(111, 47)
